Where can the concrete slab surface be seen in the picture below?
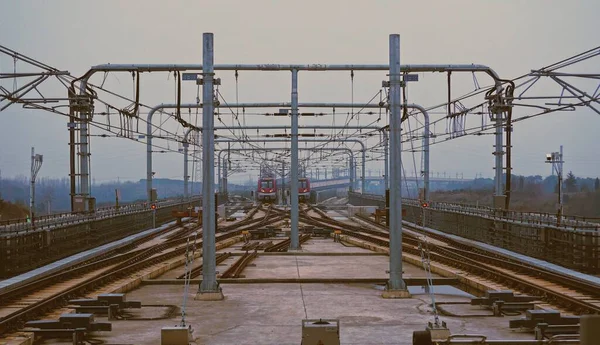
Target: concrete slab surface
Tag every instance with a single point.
(273, 313)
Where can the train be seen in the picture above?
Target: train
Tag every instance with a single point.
(303, 189)
(267, 190)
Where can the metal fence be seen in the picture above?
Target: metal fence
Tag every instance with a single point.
(58, 220)
(574, 244)
(21, 251)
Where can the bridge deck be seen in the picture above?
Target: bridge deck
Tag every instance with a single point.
(16, 281)
(523, 258)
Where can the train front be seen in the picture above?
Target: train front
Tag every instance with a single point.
(267, 189)
(303, 189)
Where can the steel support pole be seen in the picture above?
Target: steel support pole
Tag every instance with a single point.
(149, 152)
(560, 189)
(72, 174)
(426, 137)
(225, 172)
(219, 178)
(294, 211)
(32, 189)
(84, 163)
(363, 185)
(226, 165)
(209, 278)
(283, 199)
(386, 163)
(186, 192)
(351, 172)
(395, 283)
(499, 192)
(426, 157)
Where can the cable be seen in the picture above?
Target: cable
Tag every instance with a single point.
(301, 290)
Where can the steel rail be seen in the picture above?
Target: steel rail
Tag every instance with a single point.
(473, 265)
(235, 270)
(195, 272)
(501, 261)
(106, 259)
(19, 317)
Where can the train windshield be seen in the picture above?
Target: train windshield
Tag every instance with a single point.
(303, 184)
(266, 184)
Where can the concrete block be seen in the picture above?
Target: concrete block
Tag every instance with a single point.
(210, 296)
(315, 332)
(177, 335)
(396, 294)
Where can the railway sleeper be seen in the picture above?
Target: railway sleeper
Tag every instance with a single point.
(546, 331)
(109, 310)
(107, 299)
(506, 296)
(550, 317)
(500, 308)
(78, 335)
(72, 321)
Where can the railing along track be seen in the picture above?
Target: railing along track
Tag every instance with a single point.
(499, 269)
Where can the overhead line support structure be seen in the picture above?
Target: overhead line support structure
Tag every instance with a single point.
(345, 149)
(363, 149)
(209, 283)
(84, 155)
(426, 138)
(209, 288)
(186, 144)
(294, 211)
(395, 286)
(160, 107)
(149, 136)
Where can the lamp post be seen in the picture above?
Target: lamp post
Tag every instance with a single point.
(36, 165)
(556, 159)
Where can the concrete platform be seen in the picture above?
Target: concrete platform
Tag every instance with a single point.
(272, 313)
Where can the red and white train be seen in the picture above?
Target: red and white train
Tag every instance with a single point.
(267, 189)
(303, 189)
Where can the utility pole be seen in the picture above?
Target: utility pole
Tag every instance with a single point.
(396, 287)
(556, 159)
(36, 164)
(209, 287)
(283, 198)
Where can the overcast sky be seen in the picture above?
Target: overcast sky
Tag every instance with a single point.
(512, 37)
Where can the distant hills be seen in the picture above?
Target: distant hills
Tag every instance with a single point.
(52, 195)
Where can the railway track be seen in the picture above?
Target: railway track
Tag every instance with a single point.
(197, 271)
(235, 270)
(105, 260)
(560, 290)
(55, 290)
(21, 305)
(283, 246)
